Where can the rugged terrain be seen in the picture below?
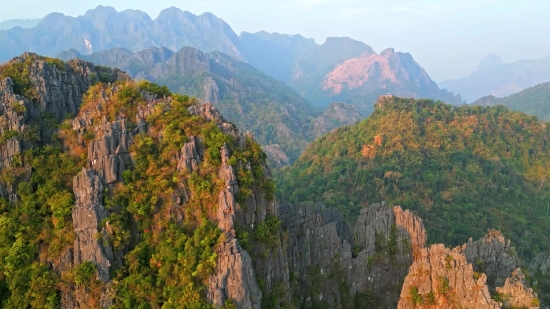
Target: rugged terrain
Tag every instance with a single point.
(281, 120)
(341, 69)
(498, 79)
(104, 28)
(118, 194)
(480, 274)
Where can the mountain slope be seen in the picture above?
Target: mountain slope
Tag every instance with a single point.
(462, 169)
(533, 101)
(279, 118)
(500, 79)
(23, 23)
(341, 69)
(115, 195)
(104, 28)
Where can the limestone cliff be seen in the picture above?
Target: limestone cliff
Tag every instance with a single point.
(339, 266)
(480, 274)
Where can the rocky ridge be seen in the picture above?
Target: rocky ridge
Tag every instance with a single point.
(480, 274)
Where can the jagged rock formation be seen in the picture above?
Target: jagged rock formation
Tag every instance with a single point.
(276, 115)
(332, 264)
(279, 118)
(467, 276)
(104, 141)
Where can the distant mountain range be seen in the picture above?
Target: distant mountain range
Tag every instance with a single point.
(104, 28)
(23, 23)
(280, 119)
(533, 101)
(500, 79)
(341, 69)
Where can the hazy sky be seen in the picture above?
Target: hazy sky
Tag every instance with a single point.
(448, 38)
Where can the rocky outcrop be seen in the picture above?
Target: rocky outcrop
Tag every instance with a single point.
(235, 277)
(480, 274)
(330, 262)
(442, 278)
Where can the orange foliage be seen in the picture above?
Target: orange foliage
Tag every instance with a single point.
(378, 140)
(368, 151)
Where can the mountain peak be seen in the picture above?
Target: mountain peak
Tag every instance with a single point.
(388, 51)
(490, 61)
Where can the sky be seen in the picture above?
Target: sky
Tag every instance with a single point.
(447, 38)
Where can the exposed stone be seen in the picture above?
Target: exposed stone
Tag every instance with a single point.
(443, 279)
(464, 276)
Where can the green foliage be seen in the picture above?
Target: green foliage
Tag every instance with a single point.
(444, 286)
(229, 304)
(462, 169)
(19, 74)
(532, 101)
(268, 231)
(415, 297)
(448, 260)
(84, 273)
(160, 91)
(430, 298)
(39, 223)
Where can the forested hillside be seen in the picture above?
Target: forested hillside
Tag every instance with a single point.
(532, 101)
(280, 119)
(462, 169)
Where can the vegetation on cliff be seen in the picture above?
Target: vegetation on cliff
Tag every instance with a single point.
(168, 248)
(462, 169)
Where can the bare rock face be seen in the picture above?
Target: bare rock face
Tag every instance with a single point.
(494, 256)
(464, 276)
(516, 293)
(442, 278)
(235, 277)
(87, 216)
(331, 263)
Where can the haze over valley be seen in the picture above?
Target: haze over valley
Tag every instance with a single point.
(299, 154)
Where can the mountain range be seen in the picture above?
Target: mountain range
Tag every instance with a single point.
(280, 119)
(493, 77)
(23, 23)
(120, 194)
(533, 101)
(341, 69)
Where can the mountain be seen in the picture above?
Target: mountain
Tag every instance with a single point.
(533, 101)
(104, 28)
(23, 23)
(462, 169)
(341, 69)
(117, 194)
(281, 120)
(500, 79)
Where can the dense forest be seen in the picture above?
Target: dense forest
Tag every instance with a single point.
(462, 169)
